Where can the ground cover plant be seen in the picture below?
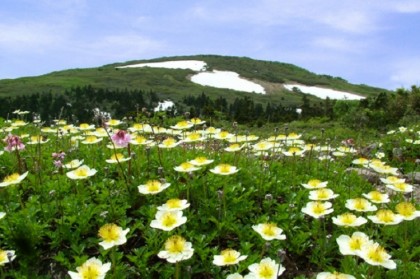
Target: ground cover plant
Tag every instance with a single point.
(183, 199)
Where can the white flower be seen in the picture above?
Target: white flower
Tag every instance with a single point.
(322, 194)
(201, 161)
(360, 204)
(14, 178)
(153, 187)
(224, 169)
(352, 245)
(386, 217)
(117, 158)
(349, 220)
(315, 184)
(407, 211)
(374, 254)
(377, 197)
(174, 205)
(228, 257)
(112, 235)
(335, 275)
(92, 269)
(186, 167)
(317, 209)
(401, 187)
(176, 249)
(266, 269)
(269, 231)
(168, 220)
(81, 173)
(6, 256)
(73, 164)
(2, 214)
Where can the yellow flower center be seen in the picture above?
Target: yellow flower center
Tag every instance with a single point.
(336, 275)
(223, 134)
(175, 244)
(84, 126)
(294, 150)
(91, 139)
(186, 166)
(224, 168)
(401, 186)
(153, 185)
(385, 215)
(360, 204)
(113, 122)
(356, 242)
(140, 139)
(376, 196)
(266, 271)
(393, 179)
(229, 256)
(348, 218)
(377, 254)
(196, 120)
(109, 232)
(174, 203)
(194, 136)
(90, 271)
(168, 142)
(323, 194)
(234, 146)
(318, 208)
(117, 156)
(3, 256)
(82, 172)
(211, 130)
(11, 178)
(314, 182)
(269, 229)
(138, 126)
(169, 219)
(36, 138)
(201, 160)
(406, 209)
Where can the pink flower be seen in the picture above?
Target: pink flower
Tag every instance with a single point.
(121, 138)
(13, 143)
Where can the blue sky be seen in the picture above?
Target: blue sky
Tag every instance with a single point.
(365, 42)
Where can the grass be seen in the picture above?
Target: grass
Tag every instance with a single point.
(52, 221)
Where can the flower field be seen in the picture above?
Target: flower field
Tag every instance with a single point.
(131, 199)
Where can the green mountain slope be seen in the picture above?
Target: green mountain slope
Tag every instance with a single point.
(175, 84)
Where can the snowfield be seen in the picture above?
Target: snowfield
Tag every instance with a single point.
(229, 80)
(323, 93)
(232, 80)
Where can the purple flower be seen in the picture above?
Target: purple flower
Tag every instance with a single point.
(121, 138)
(13, 143)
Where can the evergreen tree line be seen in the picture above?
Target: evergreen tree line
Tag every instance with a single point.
(78, 104)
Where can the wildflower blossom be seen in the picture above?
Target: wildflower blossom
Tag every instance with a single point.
(374, 254)
(92, 269)
(401, 187)
(392, 180)
(2, 214)
(37, 140)
(386, 217)
(73, 164)
(317, 209)
(294, 151)
(377, 197)
(174, 205)
(112, 235)
(361, 161)
(322, 194)
(235, 276)
(407, 211)
(193, 137)
(14, 178)
(121, 138)
(186, 167)
(117, 158)
(228, 257)
(360, 204)
(315, 184)
(269, 231)
(13, 143)
(352, 245)
(140, 140)
(86, 127)
(113, 122)
(224, 169)
(197, 121)
(169, 143)
(91, 140)
(334, 275)
(182, 125)
(168, 220)
(201, 161)
(223, 135)
(81, 172)
(349, 220)
(6, 256)
(266, 269)
(234, 147)
(262, 146)
(153, 187)
(176, 249)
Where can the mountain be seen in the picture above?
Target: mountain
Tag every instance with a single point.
(175, 83)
